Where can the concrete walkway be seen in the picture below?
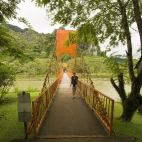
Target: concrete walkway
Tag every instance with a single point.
(71, 120)
(70, 117)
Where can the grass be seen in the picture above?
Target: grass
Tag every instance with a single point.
(29, 89)
(100, 75)
(127, 129)
(10, 128)
(29, 77)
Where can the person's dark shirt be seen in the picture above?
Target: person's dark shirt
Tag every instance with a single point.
(74, 80)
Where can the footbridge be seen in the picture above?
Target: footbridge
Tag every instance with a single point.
(56, 117)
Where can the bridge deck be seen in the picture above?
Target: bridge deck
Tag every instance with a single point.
(70, 117)
(71, 120)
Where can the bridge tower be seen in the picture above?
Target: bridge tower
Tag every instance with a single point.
(61, 37)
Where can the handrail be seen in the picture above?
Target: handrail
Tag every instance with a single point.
(40, 106)
(102, 105)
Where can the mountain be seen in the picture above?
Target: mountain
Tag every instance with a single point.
(32, 43)
(18, 29)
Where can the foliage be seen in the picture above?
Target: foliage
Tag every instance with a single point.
(9, 119)
(65, 57)
(8, 11)
(34, 44)
(85, 53)
(10, 125)
(25, 45)
(95, 64)
(130, 129)
(99, 21)
(7, 78)
(95, 20)
(29, 89)
(119, 76)
(117, 65)
(8, 45)
(36, 67)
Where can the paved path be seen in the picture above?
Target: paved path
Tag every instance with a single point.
(71, 120)
(70, 117)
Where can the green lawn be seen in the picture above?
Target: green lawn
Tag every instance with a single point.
(10, 128)
(127, 129)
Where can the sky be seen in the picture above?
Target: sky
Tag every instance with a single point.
(37, 18)
(121, 49)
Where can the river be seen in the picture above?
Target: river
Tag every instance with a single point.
(102, 85)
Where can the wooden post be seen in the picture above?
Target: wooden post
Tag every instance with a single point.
(25, 129)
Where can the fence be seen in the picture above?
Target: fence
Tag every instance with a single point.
(40, 106)
(102, 105)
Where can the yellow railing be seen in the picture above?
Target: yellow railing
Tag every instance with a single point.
(102, 105)
(40, 106)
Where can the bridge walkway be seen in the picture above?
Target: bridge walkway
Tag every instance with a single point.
(71, 120)
(70, 117)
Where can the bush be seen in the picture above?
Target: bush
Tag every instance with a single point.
(7, 78)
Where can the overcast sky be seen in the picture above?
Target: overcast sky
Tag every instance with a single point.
(37, 18)
(135, 43)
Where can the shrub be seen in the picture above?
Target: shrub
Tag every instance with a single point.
(7, 78)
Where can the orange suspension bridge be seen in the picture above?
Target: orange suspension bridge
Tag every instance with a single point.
(58, 118)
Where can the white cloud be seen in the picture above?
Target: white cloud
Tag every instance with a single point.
(35, 16)
(121, 49)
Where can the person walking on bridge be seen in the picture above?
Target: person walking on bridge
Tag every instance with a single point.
(74, 81)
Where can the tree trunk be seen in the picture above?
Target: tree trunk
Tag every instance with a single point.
(134, 99)
(138, 19)
(120, 90)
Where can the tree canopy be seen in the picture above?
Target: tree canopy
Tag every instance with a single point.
(8, 44)
(98, 21)
(95, 21)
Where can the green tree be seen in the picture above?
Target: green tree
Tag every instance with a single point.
(7, 78)
(65, 58)
(85, 53)
(101, 20)
(8, 44)
(49, 43)
(119, 75)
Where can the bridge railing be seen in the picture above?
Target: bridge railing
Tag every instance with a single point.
(102, 105)
(40, 106)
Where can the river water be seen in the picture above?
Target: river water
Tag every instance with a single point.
(102, 85)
